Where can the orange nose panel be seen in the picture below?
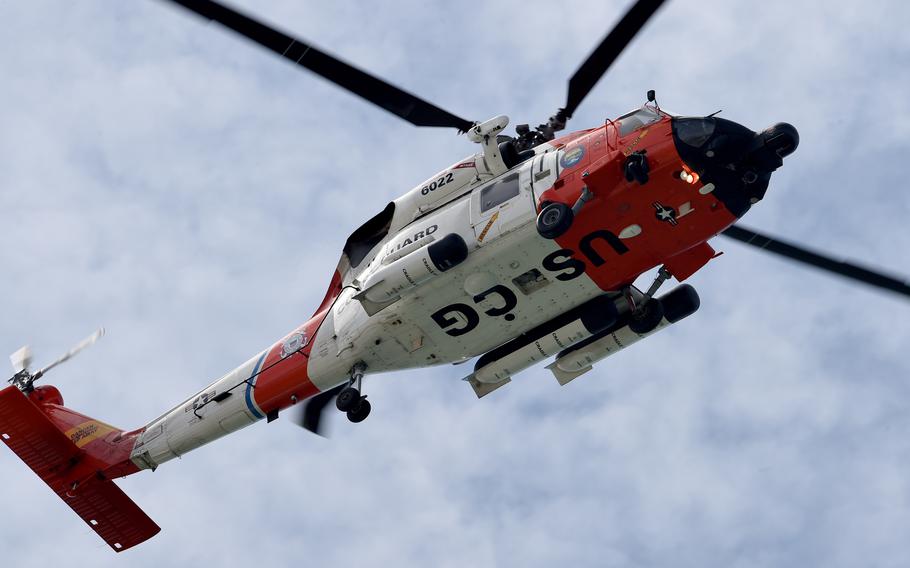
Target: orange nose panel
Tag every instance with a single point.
(629, 227)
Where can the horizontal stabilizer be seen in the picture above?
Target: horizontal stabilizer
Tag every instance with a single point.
(51, 454)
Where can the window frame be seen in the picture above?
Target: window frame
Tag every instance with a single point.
(652, 114)
(508, 179)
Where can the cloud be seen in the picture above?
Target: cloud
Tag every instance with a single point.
(192, 194)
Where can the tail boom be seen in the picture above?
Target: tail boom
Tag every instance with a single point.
(78, 457)
(269, 382)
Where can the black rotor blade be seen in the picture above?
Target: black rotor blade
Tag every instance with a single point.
(606, 53)
(800, 254)
(409, 107)
(311, 409)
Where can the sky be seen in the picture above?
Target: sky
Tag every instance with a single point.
(191, 193)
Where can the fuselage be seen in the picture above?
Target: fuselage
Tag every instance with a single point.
(511, 281)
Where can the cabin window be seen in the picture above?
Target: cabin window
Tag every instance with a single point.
(499, 192)
(637, 119)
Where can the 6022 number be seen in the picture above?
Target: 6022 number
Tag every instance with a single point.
(437, 184)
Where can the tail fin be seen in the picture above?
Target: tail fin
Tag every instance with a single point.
(77, 457)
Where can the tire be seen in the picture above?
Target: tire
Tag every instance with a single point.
(679, 303)
(348, 399)
(647, 317)
(554, 220)
(361, 413)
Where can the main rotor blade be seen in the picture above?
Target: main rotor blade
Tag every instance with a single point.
(799, 254)
(606, 53)
(409, 107)
(69, 354)
(311, 409)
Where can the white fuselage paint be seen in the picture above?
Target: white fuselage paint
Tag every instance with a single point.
(200, 419)
(503, 246)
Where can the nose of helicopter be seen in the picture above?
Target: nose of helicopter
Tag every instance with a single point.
(737, 160)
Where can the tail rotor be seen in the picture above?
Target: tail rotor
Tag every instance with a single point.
(21, 360)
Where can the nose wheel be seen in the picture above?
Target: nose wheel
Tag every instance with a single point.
(350, 401)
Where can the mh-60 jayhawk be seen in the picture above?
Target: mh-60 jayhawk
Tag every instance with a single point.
(524, 251)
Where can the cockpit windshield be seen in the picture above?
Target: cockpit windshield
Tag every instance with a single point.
(637, 119)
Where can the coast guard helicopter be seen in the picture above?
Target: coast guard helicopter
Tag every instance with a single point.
(524, 251)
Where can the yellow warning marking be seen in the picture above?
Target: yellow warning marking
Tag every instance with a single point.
(486, 229)
(630, 147)
(88, 431)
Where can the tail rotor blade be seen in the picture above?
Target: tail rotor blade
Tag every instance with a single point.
(90, 340)
(816, 260)
(21, 359)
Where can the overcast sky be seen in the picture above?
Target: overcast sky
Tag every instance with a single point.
(191, 193)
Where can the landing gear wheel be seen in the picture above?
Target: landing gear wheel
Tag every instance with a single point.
(360, 413)
(554, 220)
(647, 317)
(348, 399)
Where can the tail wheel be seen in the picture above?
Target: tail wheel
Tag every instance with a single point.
(348, 399)
(360, 413)
(647, 317)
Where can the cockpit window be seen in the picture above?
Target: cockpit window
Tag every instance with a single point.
(694, 131)
(498, 192)
(636, 119)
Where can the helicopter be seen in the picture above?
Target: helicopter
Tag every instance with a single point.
(534, 240)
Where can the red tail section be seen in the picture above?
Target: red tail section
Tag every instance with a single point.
(77, 457)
